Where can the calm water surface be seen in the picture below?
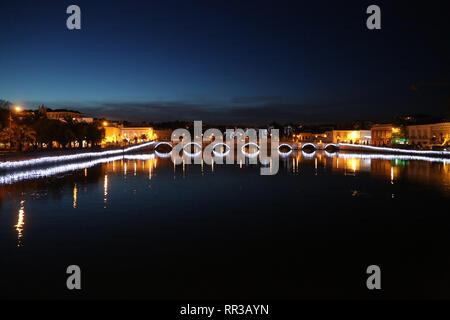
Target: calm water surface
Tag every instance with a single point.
(149, 229)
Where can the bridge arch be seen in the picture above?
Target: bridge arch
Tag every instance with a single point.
(284, 154)
(221, 154)
(192, 154)
(163, 143)
(309, 144)
(247, 154)
(334, 145)
(163, 154)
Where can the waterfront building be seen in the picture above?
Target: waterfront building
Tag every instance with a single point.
(387, 135)
(304, 137)
(349, 136)
(312, 137)
(118, 133)
(428, 135)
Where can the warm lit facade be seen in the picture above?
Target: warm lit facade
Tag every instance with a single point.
(115, 134)
(382, 134)
(437, 134)
(304, 136)
(349, 136)
(310, 137)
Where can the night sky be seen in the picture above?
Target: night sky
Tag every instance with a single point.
(227, 61)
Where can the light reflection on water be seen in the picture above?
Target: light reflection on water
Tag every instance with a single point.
(20, 223)
(141, 207)
(420, 168)
(432, 172)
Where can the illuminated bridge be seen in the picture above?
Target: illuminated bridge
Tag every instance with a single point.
(284, 148)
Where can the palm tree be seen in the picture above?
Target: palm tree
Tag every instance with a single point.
(6, 136)
(18, 135)
(24, 135)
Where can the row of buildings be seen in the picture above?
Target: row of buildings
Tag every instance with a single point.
(423, 135)
(335, 136)
(116, 133)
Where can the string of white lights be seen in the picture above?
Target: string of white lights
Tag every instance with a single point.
(190, 154)
(247, 154)
(221, 154)
(391, 157)
(284, 154)
(396, 150)
(45, 160)
(46, 172)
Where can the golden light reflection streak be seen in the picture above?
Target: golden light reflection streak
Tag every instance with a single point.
(392, 175)
(354, 165)
(105, 188)
(20, 223)
(75, 191)
(150, 165)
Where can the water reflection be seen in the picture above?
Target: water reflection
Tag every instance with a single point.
(429, 170)
(75, 192)
(130, 209)
(69, 179)
(20, 223)
(105, 188)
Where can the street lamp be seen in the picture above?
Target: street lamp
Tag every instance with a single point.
(17, 109)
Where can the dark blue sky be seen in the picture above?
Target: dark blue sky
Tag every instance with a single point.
(227, 61)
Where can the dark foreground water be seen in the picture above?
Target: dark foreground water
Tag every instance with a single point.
(147, 229)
